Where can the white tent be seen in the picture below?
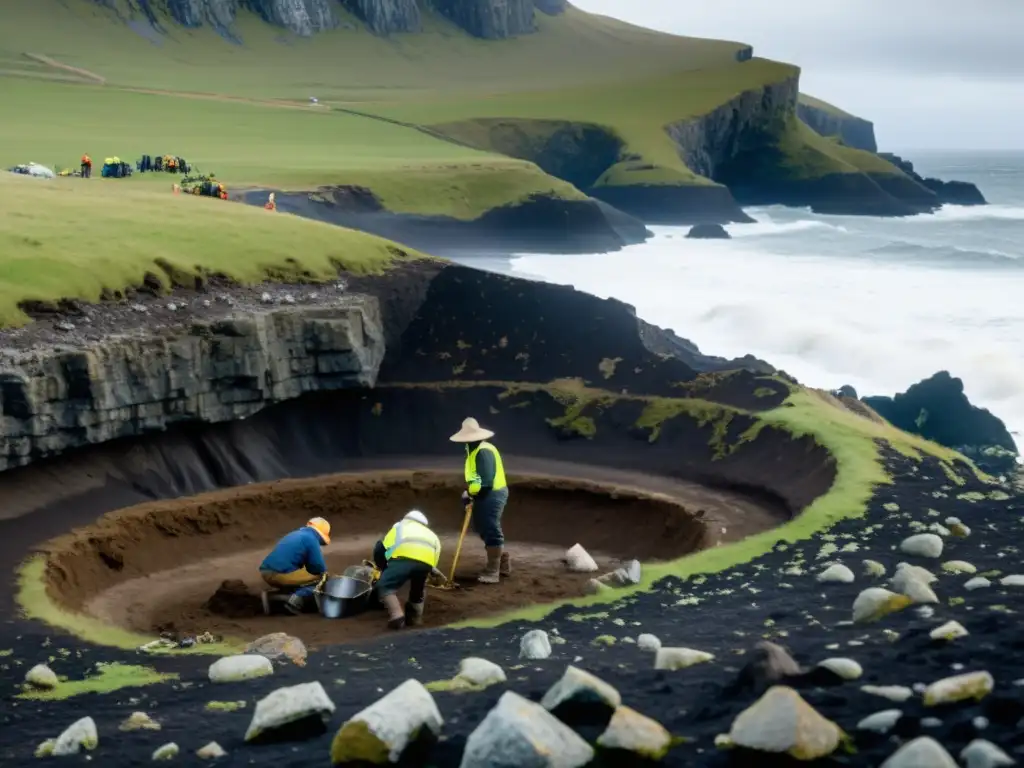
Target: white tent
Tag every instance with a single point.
(34, 169)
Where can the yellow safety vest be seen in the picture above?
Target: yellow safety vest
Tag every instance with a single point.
(473, 477)
(413, 541)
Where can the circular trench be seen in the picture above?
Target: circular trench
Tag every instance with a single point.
(155, 567)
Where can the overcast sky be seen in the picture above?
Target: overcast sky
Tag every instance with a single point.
(929, 73)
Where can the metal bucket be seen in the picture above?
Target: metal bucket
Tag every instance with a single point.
(343, 596)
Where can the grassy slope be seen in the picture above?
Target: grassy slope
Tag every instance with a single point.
(824, 106)
(74, 237)
(810, 155)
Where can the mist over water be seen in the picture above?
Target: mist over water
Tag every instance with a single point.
(875, 303)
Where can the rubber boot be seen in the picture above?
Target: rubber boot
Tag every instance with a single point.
(414, 614)
(491, 573)
(265, 601)
(505, 568)
(295, 605)
(396, 617)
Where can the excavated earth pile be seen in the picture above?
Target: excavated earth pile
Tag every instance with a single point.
(143, 506)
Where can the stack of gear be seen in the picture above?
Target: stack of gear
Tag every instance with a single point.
(114, 168)
(206, 186)
(165, 163)
(33, 169)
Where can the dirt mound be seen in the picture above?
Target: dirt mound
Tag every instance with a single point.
(192, 564)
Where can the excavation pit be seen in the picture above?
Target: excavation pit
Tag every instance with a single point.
(162, 566)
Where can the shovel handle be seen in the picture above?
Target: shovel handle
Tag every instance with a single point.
(462, 537)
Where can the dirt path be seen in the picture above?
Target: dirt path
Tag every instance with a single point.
(84, 73)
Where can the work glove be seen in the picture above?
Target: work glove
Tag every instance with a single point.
(466, 498)
(436, 578)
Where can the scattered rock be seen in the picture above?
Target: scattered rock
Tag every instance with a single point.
(880, 722)
(918, 591)
(211, 751)
(578, 560)
(958, 566)
(41, 676)
(1014, 580)
(139, 721)
(266, 298)
(836, 573)
(922, 752)
(973, 685)
(874, 569)
(45, 749)
(907, 571)
(951, 630)
(595, 586)
(166, 752)
(626, 576)
(978, 582)
(245, 666)
(957, 528)
(580, 697)
(396, 727)
(847, 669)
(984, 754)
(535, 645)
(782, 722)
(922, 545)
(287, 714)
(480, 673)
(630, 732)
(288, 299)
(875, 602)
(648, 642)
(679, 658)
(898, 693)
(708, 232)
(767, 664)
(519, 732)
(279, 646)
(80, 734)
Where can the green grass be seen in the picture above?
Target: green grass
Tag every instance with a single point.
(849, 438)
(36, 604)
(108, 678)
(824, 106)
(810, 155)
(73, 238)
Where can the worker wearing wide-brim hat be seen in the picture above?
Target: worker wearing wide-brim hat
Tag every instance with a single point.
(487, 489)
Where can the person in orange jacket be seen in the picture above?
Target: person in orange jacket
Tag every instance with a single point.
(86, 166)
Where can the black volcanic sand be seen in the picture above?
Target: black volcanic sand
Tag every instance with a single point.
(735, 610)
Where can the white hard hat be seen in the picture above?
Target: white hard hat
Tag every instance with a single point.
(416, 515)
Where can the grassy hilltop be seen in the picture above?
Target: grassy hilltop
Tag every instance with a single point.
(76, 76)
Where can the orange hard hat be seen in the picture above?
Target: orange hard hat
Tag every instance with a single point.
(322, 527)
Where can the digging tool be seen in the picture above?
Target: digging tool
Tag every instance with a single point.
(450, 580)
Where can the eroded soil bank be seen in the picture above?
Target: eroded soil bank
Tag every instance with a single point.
(153, 567)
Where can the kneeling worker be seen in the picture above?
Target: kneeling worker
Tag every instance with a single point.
(296, 563)
(409, 552)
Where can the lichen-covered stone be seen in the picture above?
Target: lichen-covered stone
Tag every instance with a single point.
(875, 602)
(518, 732)
(211, 751)
(480, 673)
(535, 645)
(891, 692)
(580, 688)
(381, 733)
(782, 722)
(959, 566)
(680, 658)
(629, 731)
(168, 751)
(41, 676)
(295, 712)
(139, 721)
(972, 685)
(79, 735)
(279, 646)
(951, 630)
(874, 569)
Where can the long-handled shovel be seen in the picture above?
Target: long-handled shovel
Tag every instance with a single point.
(450, 582)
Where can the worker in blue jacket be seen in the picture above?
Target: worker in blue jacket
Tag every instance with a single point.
(296, 564)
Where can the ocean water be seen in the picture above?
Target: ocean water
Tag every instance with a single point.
(875, 303)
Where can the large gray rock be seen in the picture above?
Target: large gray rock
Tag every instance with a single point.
(407, 717)
(579, 694)
(303, 17)
(519, 733)
(629, 731)
(386, 16)
(490, 19)
(781, 722)
(58, 398)
(296, 712)
(535, 645)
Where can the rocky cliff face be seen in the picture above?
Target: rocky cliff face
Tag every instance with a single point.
(708, 142)
(854, 131)
(61, 397)
(954, 192)
(489, 19)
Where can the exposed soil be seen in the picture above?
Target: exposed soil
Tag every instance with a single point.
(154, 566)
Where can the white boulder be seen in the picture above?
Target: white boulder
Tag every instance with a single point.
(897, 693)
(41, 676)
(972, 685)
(923, 545)
(302, 709)
(535, 645)
(847, 669)
(880, 722)
(981, 753)
(390, 725)
(578, 560)
(211, 751)
(837, 573)
(79, 735)
(978, 582)
(168, 751)
(1014, 580)
(648, 642)
(875, 602)
(480, 673)
(782, 722)
(577, 686)
(951, 630)
(244, 666)
(518, 732)
(922, 752)
(630, 731)
(679, 658)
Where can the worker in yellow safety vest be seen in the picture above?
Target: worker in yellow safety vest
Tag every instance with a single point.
(409, 552)
(487, 490)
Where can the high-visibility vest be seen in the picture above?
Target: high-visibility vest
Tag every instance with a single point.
(86, 160)
(413, 541)
(473, 477)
